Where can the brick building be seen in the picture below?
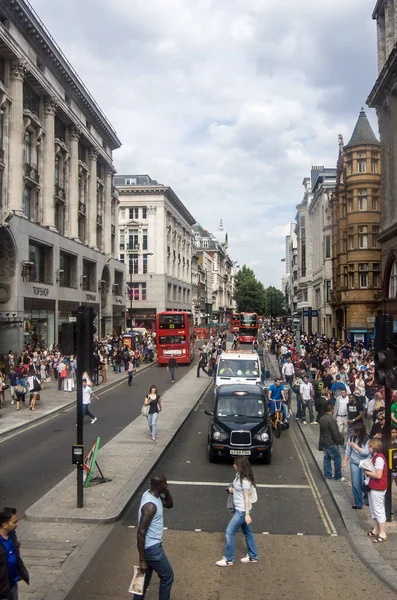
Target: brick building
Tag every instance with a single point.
(356, 271)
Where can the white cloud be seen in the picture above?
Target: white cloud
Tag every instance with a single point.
(228, 102)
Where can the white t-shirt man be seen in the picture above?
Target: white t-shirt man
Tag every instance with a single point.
(238, 493)
(87, 391)
(306, 390)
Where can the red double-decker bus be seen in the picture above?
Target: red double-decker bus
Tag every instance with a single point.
(234, 322)
(174, 337)
(248, 330)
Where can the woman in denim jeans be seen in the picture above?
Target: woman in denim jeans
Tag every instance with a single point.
(154, 402)
(241, 489)
(356, 450)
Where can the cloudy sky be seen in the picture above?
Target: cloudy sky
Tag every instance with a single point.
(230, 102)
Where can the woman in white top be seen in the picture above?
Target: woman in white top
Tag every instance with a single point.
(244, 492)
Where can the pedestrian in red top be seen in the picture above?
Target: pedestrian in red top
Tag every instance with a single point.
(377, 491)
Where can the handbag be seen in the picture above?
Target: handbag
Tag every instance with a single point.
(253, 495)
(145, 410)
(62, 374)
(20, 389)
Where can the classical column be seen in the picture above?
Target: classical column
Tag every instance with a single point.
(16, 138)
(92, 200)
(48, 173)
(73, 195)
(107, 212)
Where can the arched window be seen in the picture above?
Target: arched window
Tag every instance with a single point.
(393, 281)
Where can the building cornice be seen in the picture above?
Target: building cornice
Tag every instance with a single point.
(159, 190)
(387, 234)
(386, 81)
(378, 8)
(21, 13)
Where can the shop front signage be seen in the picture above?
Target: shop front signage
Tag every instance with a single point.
(90, 297)
(144, 315)
(40, 291)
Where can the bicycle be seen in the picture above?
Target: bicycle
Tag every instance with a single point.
(277, 420)
(97, 378)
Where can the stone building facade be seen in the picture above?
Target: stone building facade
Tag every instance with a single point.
(383, 97)
(156, 247)
(58, 205)
(356, 206)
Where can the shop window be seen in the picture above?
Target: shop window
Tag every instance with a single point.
(144, 240)
(393, 281)
(89, 276)
(133, 266)
(327, 246)
(362, 200)
(119, 283)
(136, 291)
(376, 275)
(41, 257)
(145, 263)
(363, 275)
(143, 291)
(81, 152)
(67, 270)
(363, 237)
(133, 213)
(27, 193)
(133, 243)
(28, 148)
(122, 240)
(144, 212)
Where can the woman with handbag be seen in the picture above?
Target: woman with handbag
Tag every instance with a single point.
(377, 490)
(153, 400)
(244, 494)
(20, 391)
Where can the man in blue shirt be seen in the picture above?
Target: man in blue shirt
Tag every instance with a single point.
(276, 395)
(150, 536)
(12, 568)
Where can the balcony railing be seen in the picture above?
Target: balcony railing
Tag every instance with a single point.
(60, 193)
(99, 220)
(31, 173)
(82, 208)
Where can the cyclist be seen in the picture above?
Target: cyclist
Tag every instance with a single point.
(276, 397)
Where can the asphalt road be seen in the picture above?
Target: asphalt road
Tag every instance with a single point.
(36, 459)
(303, 549)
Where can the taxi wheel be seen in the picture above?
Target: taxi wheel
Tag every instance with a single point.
(268, 458)
(211, 454)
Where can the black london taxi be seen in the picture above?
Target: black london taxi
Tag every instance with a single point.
(240, 425)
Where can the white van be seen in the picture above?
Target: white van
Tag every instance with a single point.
(238, 366)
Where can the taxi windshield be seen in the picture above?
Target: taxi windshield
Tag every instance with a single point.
(238, 368)
(240, 406)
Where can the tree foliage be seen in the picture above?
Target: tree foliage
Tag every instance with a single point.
(252, 296)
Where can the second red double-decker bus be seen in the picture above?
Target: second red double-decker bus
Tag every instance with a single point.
(174, 337)
(248, 330)
(234, 322)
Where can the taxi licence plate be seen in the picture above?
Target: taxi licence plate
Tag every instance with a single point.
(240, 452)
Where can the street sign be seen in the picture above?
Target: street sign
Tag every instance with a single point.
(305, 313)
(314, 312)
(370, 319)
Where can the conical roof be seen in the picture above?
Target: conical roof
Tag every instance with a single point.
(362, 133)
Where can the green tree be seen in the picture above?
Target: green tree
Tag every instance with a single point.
(250, 293)
(275, 302)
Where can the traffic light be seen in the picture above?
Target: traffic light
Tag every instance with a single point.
(383, 366)
(89, 330)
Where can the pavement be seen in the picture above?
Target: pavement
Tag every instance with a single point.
(381, 558)
(59, 540)
(51, 402)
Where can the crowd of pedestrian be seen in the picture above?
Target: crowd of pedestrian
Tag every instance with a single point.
(336, 379)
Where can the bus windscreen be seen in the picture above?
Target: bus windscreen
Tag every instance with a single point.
(171, 321)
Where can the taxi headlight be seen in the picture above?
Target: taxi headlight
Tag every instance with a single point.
(264, 437)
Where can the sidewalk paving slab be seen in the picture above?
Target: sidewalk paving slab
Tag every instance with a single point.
(67, 538)
(382, 558)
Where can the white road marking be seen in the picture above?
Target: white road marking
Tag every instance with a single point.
(258, 485)
(299, 534)
(265, 533)
(131, 526)
(198, 530)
